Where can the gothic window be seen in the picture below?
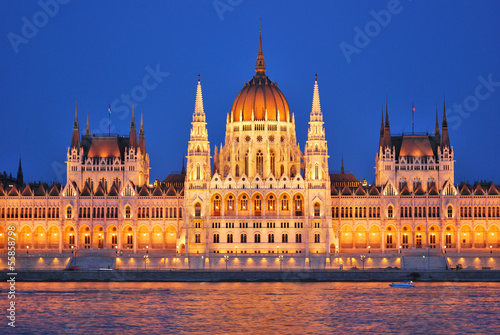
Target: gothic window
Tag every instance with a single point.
(316, 171)
(390, 211)
(217, 205)
(198, 171)
(317, 238)
(298, 238)
(237, 171)
(117, 182)
(197, 209)
(298, 205)
(104, 183)
(284, 203)
(270, 238)
(257, 203)
(430, 183)
(256, 238)
(90, 183)
(246, 163)
(69, 212)
(230, 203)
(271, 203)
(244, 202)
(197, 238)
(316, 209)
(293, 171)
(229, 238)
(282, 172)
(272, 163)
(260, 163)
(284, 238)
(243, 238)
(216, 238)
(402, 183)
(416, 183)
(450, 211)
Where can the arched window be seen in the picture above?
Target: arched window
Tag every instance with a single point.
(284, 203)
(229, 238)
(256, 238)
(282, 170)
(416, 183)
(197, 209)
(297, 206)
(430, 182)
(246, 163)
(270, 238)
(69, 212)
(450, 211)
(260, 163)
(243, 238)
(104, 184)
(244, 203)
(272, 162)
(284, 238)
(317, 208)
(390, 211)
(217, 205)
(271, 203)
(257, 203)
(237, 171)
(198, 171)
(90, 183)
(230, 203)
(402, 183)
(293, 171)
(316, 171)
(216, 238)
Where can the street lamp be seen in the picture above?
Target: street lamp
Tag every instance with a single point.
(445, 249)
(399, 249)
(116, 251)
(236, 248)
(491, 249)
(278, 249)
(226, 259)
(27, 249)
(281, 261)
(363, 257)
(145, 261)
(147, 249)
(369, 249)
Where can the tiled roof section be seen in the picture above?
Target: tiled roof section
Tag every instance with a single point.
(433, 190)
(343, 178)
(405, 190)
(40, 191)
(374, 190)
(27, 191)
(2, 191)
(493, 190)
(334, 191)
(99, 192)
(465, 190)
(157, 191)
(360, 190)
(54, 191)
(346, 190)
(144, 192)
(104, 146)
(13, 191)
(419, 190)
(479, 190)
(181, 193)
(176, 180)
(171, 191)
(113, 191)
(86, 192)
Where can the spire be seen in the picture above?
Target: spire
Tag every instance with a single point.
(445, 138)
(133, 132)
(183, 171)
(316, 106)
(87, 128)
(199, 113)
(381, 141)
(387, 128)
(20, 180)
(260, 64)
(75, 139)
(142, 141)
(342, 166)
(436, 128)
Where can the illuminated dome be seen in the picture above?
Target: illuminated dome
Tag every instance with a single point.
(259, 95)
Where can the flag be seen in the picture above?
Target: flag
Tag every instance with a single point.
(109, 109)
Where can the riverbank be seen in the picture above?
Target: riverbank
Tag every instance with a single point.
(256, 276)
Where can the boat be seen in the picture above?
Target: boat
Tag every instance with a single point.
(404, 284)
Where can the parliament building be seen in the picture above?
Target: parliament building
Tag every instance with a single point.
(258, 193)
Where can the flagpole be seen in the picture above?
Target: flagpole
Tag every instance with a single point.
(412, 119)
(109, 120)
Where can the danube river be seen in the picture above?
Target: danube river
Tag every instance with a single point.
(254, 308)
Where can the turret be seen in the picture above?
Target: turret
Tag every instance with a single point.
(133, 132)
(75, 139)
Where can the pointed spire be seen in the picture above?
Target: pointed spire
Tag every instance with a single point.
(387, 128)
(20, 179)
(87, 128)
(260, 64)
(142, 141)
(133, 132)
(445, 138)
(436, 128)
(316, 106)
(75, 139)
(183, 171)
(381, 141)
(342, 165)
(387, 123)
(198, 105)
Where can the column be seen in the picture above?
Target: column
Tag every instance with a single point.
(164, 236)
(150, 243)
(382, 237)
(458, 240)
(92, 237)
(61, 240)
(120, 234)
(105, 242)
(134, 231)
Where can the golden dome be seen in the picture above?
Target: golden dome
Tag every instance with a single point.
(260, 95)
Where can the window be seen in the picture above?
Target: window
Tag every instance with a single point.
(450, 211)
(246, 163)
(317, 238)
(217, 205)
(69, 212)
(216, 238)
(389, 241)
(272, 163)
(257, 203)
(229, 238)
(243, 238)
(298, 238)
(316, 209)
(260, 163)
(256, 238)
(284, 203)
(270, 238)
(244, 202)
(198, 171)
(197, 238)
(271, 203)
(390, 211)
(197, 209)
(230, 203)
(284, 238)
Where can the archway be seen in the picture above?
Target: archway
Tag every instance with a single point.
(450, 240)
(346, 240)
(98, 237)
(157, 238)
(493, 237)
(360, 241)
(143, 241)
(84, 238)
(53, 237)
(69, 238)
(128, 237)
(420, 237)
(171, 239)
(479, 237)
(465, 237)
(406, 237)
(112, 237)
(39, 238)
(26, 238)
(374, 237)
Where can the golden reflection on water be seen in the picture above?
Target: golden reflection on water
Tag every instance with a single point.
(256, 308)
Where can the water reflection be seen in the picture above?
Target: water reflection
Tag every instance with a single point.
(256, 308)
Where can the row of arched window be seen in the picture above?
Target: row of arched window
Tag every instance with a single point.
(29, 213)
(479, 211)
(257, 205)
(420, 211)
(257, 238)
(356, 212)
(157, 212)
(98, 212)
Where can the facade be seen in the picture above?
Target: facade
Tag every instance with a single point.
(258, 194)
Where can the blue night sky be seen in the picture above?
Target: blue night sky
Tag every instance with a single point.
(100, 51)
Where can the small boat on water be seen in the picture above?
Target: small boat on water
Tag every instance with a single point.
(404, 284)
